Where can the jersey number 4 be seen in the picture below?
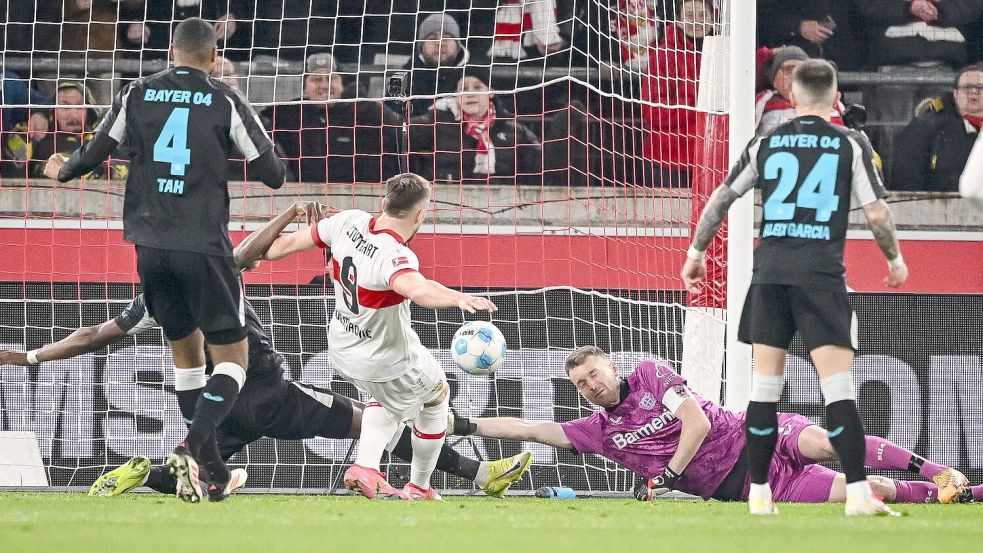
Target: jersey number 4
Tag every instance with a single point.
(172, 144)
(817, 191)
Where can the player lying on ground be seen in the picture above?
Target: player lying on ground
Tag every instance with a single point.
(654, 425)
(373, 345)
(268, 405)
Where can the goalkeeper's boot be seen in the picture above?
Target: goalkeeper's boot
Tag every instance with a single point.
(371, 483)
(122, 479)
(184, 469)
(416, 493)
(966, 496)
(759, 501)
(219, 492)
(871, 506)
(505, 472)
(951, 484)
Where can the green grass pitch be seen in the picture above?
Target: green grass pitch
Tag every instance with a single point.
(73, 522)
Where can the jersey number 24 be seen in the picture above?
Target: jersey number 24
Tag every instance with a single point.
(817, 191)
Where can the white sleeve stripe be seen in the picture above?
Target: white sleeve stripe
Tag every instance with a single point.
(863, 188)
(239, 135)
(118, 131)
(747, 177)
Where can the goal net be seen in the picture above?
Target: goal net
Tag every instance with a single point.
(572, 146)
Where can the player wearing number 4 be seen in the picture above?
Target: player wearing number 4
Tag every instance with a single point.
(176, 213)
(371, 341)
(807, 170)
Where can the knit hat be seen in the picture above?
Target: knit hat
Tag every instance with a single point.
(781, 55)
(438, 23)
(320, 61)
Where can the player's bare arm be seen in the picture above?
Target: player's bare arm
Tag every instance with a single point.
(510, 428)
(434, 295)
(288, 244)
(84, 340)
(881, 223)
(694, 270)
(696, 426)
(252, 249)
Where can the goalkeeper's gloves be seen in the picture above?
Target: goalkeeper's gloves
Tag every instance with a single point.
(654, 487)
(459, 426)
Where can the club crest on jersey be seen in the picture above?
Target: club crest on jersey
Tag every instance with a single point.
(647, 402)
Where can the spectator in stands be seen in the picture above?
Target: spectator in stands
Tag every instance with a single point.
(481, 143)
(830, 29)
(72, 126)
(334, 142)
(919, 32)
(671, 136)
(16, 91)
(225, 71)
(438, 60)
(932, 150)
(149, 25)
(525, 29)
(772, 107)
(636, 23)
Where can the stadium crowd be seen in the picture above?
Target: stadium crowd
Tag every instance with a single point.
(461, 128)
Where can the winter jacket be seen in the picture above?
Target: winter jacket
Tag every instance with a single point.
(931, 151)
(441, 150)
(670, 134)
(430, 80)
(898, 38)
(337, 143)
(779, 20)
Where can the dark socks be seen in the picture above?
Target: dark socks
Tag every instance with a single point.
(160, 480)
(217, 399)
(761, 433)
(846, 433)
(187, 400)
(449, 461)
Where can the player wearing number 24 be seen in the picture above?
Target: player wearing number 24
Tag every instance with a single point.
(807, 170)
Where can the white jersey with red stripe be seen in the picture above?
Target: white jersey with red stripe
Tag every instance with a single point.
(370, 337)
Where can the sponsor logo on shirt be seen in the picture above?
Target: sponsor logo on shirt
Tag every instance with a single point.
(624, 439)
(616, 420)
(647, 402)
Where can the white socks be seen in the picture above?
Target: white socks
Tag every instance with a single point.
(429, 429)
(377, 430)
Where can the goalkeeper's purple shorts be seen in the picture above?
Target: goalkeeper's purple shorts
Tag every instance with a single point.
(793, 477)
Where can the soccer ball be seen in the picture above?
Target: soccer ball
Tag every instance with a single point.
(478, 348)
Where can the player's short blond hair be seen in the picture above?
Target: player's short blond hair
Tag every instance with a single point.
(814, 83)
(581, 355)
(404, 192)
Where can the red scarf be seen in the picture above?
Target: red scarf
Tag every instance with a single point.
(476, 128)
(975, 120)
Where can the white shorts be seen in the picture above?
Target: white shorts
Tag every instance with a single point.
(404, 396)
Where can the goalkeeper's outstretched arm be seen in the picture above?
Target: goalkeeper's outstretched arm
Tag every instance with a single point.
(509, 428)
(84, 340)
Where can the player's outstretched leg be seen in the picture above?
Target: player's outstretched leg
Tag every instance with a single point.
(493, 477)
(429, 429)
(884, 454)
(364, 476)
(127, 476)
(761, 425)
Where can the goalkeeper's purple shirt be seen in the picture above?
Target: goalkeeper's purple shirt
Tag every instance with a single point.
(642, 434)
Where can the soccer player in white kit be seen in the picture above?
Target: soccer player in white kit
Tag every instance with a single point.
(371, 341)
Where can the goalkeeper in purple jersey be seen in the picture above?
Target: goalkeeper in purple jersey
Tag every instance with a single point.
(652, 424)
